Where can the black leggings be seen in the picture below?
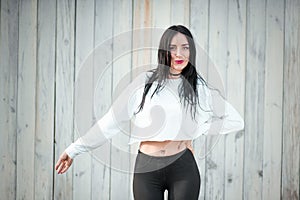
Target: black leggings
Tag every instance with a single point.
(177, 173)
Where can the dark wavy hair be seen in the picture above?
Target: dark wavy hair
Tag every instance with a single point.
(188, 88)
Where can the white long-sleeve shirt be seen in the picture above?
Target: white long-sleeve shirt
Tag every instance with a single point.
(163, 117)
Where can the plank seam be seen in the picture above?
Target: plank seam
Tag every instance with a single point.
(93, 81)
(245, 89)
(206, 140)
(16, 92)
(111, 97)
(74, 84)
(54, 106)
(264, 98)
(226, 95)
(282, 101)
(35, 90)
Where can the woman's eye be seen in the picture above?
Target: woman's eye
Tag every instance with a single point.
(186, 48)
(172, 48)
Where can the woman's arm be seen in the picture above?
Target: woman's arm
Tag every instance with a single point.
(110, 124)
(222, 117)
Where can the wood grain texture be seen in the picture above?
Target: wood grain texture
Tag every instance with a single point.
(142, 48)
(234, 142)
(215, 160)
(26, 106)
(83, 93)
(161, 13)
(64, 91)
(273, 99)
(180, 12)
(254, 100)
(291, 110)
(8, 97)
(45, 83)
(102, 90)
(122, 62)
(46, 46)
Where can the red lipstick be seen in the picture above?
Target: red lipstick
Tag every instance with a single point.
(179, 61)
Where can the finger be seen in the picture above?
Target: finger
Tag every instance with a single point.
(61, 166)
(66, 167)
(57, 164)
(67, 164)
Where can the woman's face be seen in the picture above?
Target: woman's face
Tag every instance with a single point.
(180, 53)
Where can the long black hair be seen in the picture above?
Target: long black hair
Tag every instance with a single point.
(187, 90)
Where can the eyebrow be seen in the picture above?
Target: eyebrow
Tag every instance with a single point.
(181, 45)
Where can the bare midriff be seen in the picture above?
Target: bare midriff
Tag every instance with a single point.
(165, 148)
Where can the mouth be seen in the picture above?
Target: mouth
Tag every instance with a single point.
(179, 61)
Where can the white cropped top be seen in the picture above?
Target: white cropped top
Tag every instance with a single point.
(163, 117)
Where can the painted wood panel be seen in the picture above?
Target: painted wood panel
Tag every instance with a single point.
(234, 142)
(291, 110)
(26, 105)
(273, 99)
(8, 97)
(45, 83)
(43, 44)
(254, 99)
(180, 12)
(142, 37)
(122, 62)
(83, 119)
(161, 13)
(64, 92)
(215, 160)
(102, 90)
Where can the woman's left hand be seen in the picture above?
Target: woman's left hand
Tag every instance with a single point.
(63, 163)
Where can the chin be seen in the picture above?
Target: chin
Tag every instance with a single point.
(179, 67)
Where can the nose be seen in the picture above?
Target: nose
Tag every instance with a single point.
(178, 52)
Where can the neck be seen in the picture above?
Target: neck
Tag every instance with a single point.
(174, 74)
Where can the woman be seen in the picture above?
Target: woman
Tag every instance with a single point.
(173, 107)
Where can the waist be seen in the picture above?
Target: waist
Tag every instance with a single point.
(164, 148)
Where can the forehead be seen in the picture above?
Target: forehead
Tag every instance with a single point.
(179, 38)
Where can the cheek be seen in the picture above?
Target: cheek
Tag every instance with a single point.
(173, 58)
(187, 56)
(186, 60)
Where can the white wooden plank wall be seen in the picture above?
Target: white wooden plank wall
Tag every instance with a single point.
(63, 62)
(45, 97)
(161, 12)
(26, 103)
(273, 94)
(254, 99)
(121, 68)
(215, 160)
(102, 86)
(234, 143)
(290, 180)
(8, 97)
(64, 89)
(84, 44)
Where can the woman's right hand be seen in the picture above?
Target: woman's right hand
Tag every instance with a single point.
(63, 163)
